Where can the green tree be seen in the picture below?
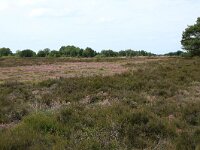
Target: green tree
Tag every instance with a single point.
(43, 53)
(5, 52)
(143, 53)
(191, 39)
(26, 53)
(109, 53)
(177, 53)
(122, 53)
(54, 53)
(130, 53)
(89, 52)
(70, 51)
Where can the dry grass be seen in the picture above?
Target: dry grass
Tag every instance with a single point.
(43, 71)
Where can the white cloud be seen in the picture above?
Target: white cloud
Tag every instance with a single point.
(39, 12)
(30, 2)
(49, 12)
(105, 20)
(3, 5)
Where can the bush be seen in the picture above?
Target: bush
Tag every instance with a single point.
(45, 123)
(185, 142)
(191, 114)
(38, 131)
(140, 128)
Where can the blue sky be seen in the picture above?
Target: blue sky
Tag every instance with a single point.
(152, 25)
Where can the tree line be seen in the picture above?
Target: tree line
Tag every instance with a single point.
(73, 51)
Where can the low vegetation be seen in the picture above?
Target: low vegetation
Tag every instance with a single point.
(153, 105)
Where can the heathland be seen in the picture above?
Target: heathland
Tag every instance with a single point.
(100, 103)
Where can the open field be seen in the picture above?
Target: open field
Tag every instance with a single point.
(35, 71)
(60, 70)
(108, 103)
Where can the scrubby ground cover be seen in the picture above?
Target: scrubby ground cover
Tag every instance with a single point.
(36, 73)
(153, 105)
(17, 61)
(38, 69)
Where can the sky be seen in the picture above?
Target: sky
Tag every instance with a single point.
(152, 25)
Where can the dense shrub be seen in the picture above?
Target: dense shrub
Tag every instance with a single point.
(191, 114)
(185, 142)
(141, 127)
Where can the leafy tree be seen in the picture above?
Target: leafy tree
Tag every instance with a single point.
(71, 51)
(80, 53)
(109, 53)
(131, 53)
(5, 52)
(143, 53)
(89, 52)
(54, 53)
(191, 39)
(177, 53)
(17, 53)
(43, 53)
(122, 53)
(26, 53)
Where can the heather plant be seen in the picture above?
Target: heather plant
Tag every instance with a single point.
(153, 105)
